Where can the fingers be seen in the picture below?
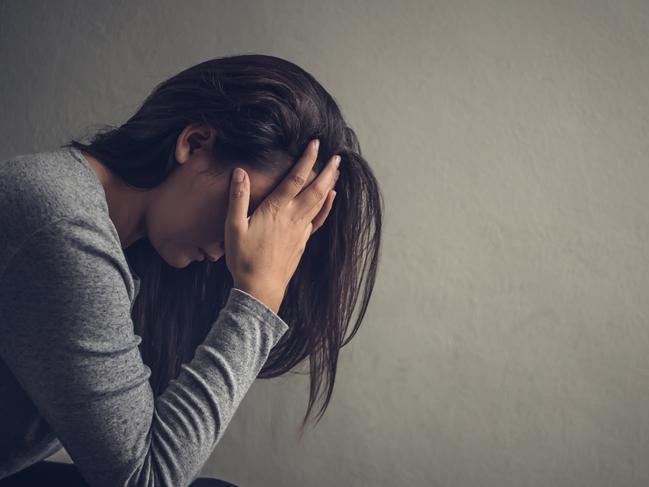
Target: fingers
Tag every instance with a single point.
(319, 220)
(309, 202)
(296, 178)
(237, 216)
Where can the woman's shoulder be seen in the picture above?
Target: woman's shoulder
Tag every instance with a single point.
(49, 183)
(39, 189)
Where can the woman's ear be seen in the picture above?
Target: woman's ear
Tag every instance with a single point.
(194, 137)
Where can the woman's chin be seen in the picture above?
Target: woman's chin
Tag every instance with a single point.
(181, 261)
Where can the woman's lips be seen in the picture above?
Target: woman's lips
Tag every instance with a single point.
(205, 255)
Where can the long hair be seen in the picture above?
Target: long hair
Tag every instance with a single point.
(259, 106)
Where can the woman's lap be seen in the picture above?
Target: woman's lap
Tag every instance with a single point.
(46, 473)
(42, 473)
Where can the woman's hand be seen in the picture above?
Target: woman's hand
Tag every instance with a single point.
(263, 252)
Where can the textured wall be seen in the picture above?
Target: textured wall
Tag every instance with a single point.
(507, 341)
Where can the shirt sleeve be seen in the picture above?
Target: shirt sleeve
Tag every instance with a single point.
(66, 334)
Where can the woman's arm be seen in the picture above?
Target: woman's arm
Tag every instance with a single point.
(67, 335)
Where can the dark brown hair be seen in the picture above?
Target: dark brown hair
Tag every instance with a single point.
(260, 106)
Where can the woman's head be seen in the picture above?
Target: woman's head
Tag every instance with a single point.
(257, 112)
(185, 214)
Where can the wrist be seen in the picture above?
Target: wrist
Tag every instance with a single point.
(270, 299)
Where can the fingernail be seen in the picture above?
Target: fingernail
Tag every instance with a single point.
(337, 161)
(316, 144)
(238, 174)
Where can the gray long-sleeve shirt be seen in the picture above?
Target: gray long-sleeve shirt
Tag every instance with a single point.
(70, 369)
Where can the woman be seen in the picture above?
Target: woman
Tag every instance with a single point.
(143, 288)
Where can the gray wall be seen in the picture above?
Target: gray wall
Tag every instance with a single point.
(507, 341)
